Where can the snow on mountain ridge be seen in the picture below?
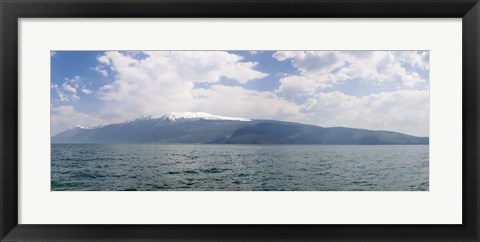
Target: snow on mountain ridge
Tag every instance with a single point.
(201, 115)
(87, 127)
(173, 116)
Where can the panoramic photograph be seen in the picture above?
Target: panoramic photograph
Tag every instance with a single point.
(240, 120)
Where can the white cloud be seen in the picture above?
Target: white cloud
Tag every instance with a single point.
(201, 66)
(163, 81)
(69, 88)
(63, 97)
(53, 53)
(237, 101)
(101, 70)
(321, 69)
(87, 91)
(64, 117)
(74, 80)
(284, 55)
(405, 111)
(104, 59)
(420, 59)
(313, 61)
(66, 92)
(297, 85)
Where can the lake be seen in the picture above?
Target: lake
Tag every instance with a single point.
(183, 167)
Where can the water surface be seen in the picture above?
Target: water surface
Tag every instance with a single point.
(156, 167)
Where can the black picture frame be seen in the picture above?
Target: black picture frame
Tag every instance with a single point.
(12, 10)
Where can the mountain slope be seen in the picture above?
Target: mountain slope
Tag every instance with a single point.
(288, 133)
(210, 129)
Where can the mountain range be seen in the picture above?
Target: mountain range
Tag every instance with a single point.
(204, 128)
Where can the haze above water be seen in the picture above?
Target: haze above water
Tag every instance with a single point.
(158, 167)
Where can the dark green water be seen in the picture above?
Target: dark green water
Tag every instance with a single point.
(155, 167)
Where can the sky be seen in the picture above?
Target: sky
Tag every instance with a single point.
(376, 90)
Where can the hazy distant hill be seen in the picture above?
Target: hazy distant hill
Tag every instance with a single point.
(207, 129)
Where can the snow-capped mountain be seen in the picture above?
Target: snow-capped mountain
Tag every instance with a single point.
(204, 128)
(186, 116)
